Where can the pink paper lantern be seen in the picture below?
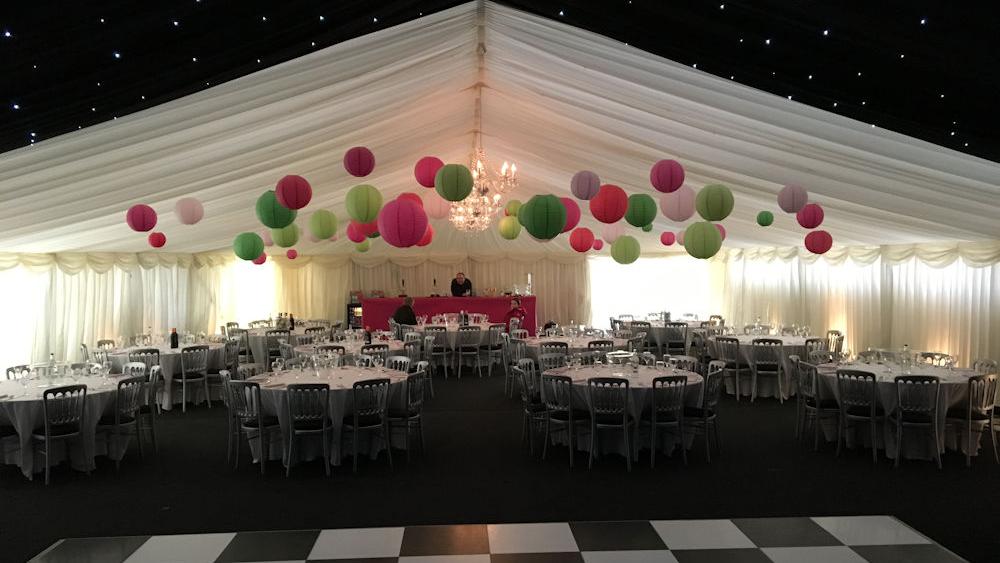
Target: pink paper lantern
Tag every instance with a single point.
(402, 223)
(792, 198)
(810, 216)
(582, 239)
(412, 197)
(359, 161)
(260, 259)
(598, 244)
(141, 217)
(426, 169)
(666, 176)
(436, 206)
(722, 230)
(610, 204)
(818, 242)
(293, 192)
(292, 254)
(428, 236)
(610, 233)
(157, 239)
(585, 185)
(189, 210)
(572, 214)
(678, 205)
(680, 238)
(266, 235)
(667, 238)
(358, 232)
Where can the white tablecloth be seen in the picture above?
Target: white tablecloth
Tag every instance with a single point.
(954, 393)
(274, 402)
(257, 341)
(21, 407)
(790, 346)
(170, 363)
(576, 345)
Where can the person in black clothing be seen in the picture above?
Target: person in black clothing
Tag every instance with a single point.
(405, 315)
(461, 286)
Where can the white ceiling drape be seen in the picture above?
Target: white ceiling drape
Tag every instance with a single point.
(556, 99)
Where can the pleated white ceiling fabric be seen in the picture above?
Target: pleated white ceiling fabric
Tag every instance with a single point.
(555, 99)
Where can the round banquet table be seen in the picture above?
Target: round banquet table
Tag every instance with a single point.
(640, 386)
(790, 346)
(954, 393)
(658, 333)
(21, 407)
(273, 391)
(257, 341)
(576, 344)
(170, 364)
(352, 348)
(452, 333)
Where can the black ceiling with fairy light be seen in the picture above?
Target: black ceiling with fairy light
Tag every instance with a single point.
(926, 69)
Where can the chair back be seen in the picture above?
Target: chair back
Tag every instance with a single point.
(371, 398)
(517, 350)
(334, 349)
(816, 345)
(106, 344)
(148, 356)
(17, 372)
(717, 320)
(601, 345)
(527, 365)
(317, 331)
(519, 333)
(413, 350)
(527, 386)
(728, 349)
(286, 350)
(412, 337)
(244, 398)
(637, 343)
(551, 361)
(713, 385)
(274, 337)
(835, 340)
(134, 369)
(983, 393)
(130, 396)
(809, 381)
(553, 348)
(515, 324)
(935, 358)
(766, 354)
(494, 334)
(984, 366)
(821, 357)
(415, 391)
(608, 397)
(856, 390)
(302, 339)
(64, 406)
(557, 393)
(468, 337)
(231, 354)
(307, 403)
(688, 363)
(194, 359)
(676, 334)
(376, 350)
(668, 397)
(246, 371)
(918, 394)
(398, 363)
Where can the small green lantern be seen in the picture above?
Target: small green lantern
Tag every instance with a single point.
(641, 210)
(271, 213)
(509, 227)
(714, 202)
(765, 218)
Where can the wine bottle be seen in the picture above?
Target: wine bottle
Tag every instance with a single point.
(291, 321)
(173, 338)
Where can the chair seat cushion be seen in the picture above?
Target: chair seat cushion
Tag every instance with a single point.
(737, 365)
(363, 421)
(402, 413)
(913, 417)
(698, 412)
(829, 404)
(961, 414)
(109, 420)
(191, 376)
(611, 419)
(147, 409)
(563, 416)
(56, 430)
(268, 421)
(309, 425)
(494, 348)
(865, 411)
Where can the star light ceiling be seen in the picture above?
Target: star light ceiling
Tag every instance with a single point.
(923, 69)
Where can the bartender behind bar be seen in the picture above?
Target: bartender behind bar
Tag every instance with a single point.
(461, 286)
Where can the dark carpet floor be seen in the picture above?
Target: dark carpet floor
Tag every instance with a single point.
(475, 471)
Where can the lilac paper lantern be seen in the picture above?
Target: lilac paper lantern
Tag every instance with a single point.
(610, 233)
(792, 198)
(402, 223)
(678, 205)
(189, 210)
(585, 184)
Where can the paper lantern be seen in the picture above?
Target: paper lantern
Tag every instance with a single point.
(292, 254)
(453, 182)
(189, 210)
(354, 233)
(363, 203)
(647, 228)
(266, 237)
(598, 244)
(714, 202)
(581, 239)
(509, 227)
(680, 238)
(428, 236)
(678, 205)
(286, 237)
(359, 161)
(625, 250)
(810, 216)
(436, 206)
(322, 224)
(271, 213)
(572, 214)
(426, 169)
(818, 242)
(260, 259)
(311, 237)
(294, 192)
(248, 246)
(641, 210)
(666, 176)
(412, 197)
(156, 239)
(610, 204)
(791, 198)
(585, 185)
(512, 207)
(402, 223)
(765, 218)
(610, 233)
(363, 246)
(544, 216)
(702, 240)
(722, 230)
(141, 217)
(667, 238)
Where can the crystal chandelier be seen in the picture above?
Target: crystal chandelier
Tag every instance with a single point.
(476, 212)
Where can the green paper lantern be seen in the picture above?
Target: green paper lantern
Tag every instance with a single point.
(545, 216)
(647, 228)
(509, 227)
(714, 203)
(363, 203)
(248, 246)
(363, 246)
(323, 224)
(702, 240)
(512, 207)
(641, 210)
(271, 213)
(625, 249)
(522, 212)
(765, 218)
(453, 182)
(286, 237)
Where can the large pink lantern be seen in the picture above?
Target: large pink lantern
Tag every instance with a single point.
(188, 210)
(359, 161)
(667, 238)
(678, 205)
(428, 236)
(666, 176)
(810, 216)
(436, 206)
(585, 184)
(141, 217)
(293, 192)
(572, 214)
(610, 233)
(402, 223)
(412, 197)
(426, 169)
(792, 197)
(582, 239)
(818, 242)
